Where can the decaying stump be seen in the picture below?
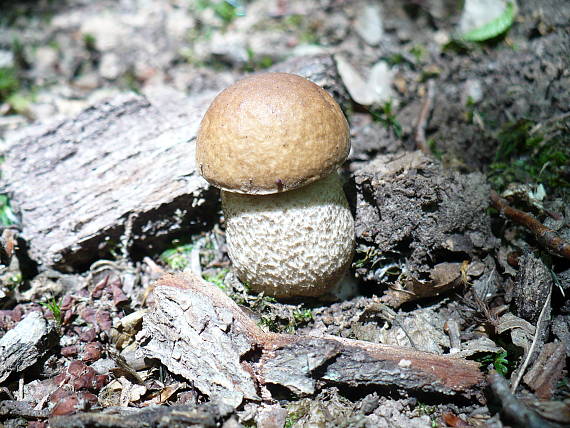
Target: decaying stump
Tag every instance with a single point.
(121, 170)
(198, 332)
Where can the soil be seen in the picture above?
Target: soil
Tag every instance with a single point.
(431, 250)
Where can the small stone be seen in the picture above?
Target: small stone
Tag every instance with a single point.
(368, 24)
(477, 13)
(87, 81)
(111, 66)
(74, 402)
(271, 417)
(376, 89)
(87, 334)
(92, 352)
(6, 58)
(66, 406)
(103, 366)
(77, 368)
(69, 351)
(119, 296)
(46, 60)
(473, 91)
(105, 30)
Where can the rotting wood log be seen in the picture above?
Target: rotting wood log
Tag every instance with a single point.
(198, 332)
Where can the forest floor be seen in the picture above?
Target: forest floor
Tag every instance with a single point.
(458, 178)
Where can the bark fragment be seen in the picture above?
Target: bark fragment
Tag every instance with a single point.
(198, 332)
(532, 286)
(78, 183)
(513, 410)
(547, 370)
(21, 347)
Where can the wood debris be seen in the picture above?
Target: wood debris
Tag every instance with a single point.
(207, 415)
(545, 236)
(198, 332)
(21, 347)
(514, 410)
(547, 370)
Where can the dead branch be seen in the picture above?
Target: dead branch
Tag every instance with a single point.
(547, 237)
(208, 415)
(420, 135)
(513, 409)
(200, 333)
(21, 408)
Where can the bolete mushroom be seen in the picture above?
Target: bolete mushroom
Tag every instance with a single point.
(273, 142)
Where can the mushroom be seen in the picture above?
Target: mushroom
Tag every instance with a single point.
(272, 143)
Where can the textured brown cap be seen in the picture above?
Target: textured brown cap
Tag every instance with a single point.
(271, 132)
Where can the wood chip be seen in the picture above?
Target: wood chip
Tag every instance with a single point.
(547, 370)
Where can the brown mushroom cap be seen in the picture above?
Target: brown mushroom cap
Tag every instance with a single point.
(271, 132)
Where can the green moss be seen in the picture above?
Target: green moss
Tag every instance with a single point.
(178, 257)
(14, 281)
(227, 10)
(300, 317)
(89, 41)
(7, 216)
(385, 115)
(9, 83)
(291, 419)
(303, 27)
(532, 153)
(432, 145)
(20, 101)
(217, 278)
(366, 256)
(257, 62)
(419, 52)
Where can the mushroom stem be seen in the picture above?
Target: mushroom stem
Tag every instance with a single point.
(289, 244)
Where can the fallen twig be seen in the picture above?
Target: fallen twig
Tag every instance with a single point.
(451, 327)
(544, 235)
(513, 409)
(420, 135)
(201, 334)
(21, 408)
(207, 415)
